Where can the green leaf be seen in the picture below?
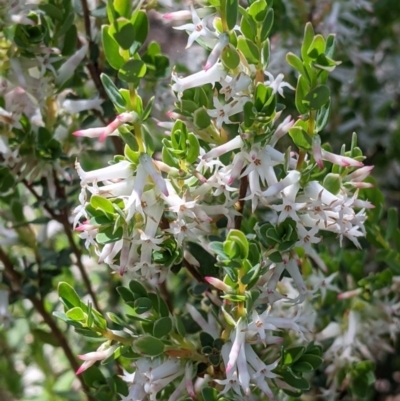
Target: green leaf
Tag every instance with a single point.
(137, 288)
(314, 360)
(229, 12)
(249, 115)
(148, 109)
(262, 96)
(295, 381)
(209, 394)
(140, 22)
(332, 182)
(300, 138)
(258, 10)
(76, 314)
(307, 40)
(296, 63)
(180, 327)
(123, 7)
(68, 295)
(248, 49)
(291, 355)
(103, 204)
(124, 33)
(148, 345)
(142, 305)
(240, 239)
(162, 327)
(322, 117)
(230, 57)
(108, 235)
(201, 118)
(52, 11)
(248, 25)
(302, 89)
(125, 294)
(266, 51)
(267, 25)
(112, 92)
(302, 367)
(132, 71)
(317, 47)
(317, 98)
(193, 148)
(111, 49)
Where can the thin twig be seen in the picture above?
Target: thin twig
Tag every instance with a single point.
(16, 280)
(244, 184)
(64, 220)
(92, 66)
(193, 271)
(94, 71)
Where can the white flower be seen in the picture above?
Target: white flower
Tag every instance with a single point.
(123, 169)
(211, 76)
(307, 237)
(293, 177)
(289, 206)
(277, 84)
(69, 67)
(77, 106)
(343, 161)
(222, 112)
(235, 85)
(103, 352)
(198, 28)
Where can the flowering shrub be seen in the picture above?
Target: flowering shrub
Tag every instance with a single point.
(244, 255)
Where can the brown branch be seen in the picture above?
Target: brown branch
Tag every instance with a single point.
(244, 184)
(92, 66)
(94, 71)
(16, 280)
(193, 271)
(64, 220)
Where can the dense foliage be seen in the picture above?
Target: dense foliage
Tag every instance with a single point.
(203, 224)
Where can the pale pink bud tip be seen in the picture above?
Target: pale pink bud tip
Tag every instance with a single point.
(229, 367)
(207, 66)
(168, 16)
(80, 370)
(77, 133)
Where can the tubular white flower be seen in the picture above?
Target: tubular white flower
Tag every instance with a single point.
(314, 190)
(123, 169)
(238, 342)
(233, 144)
(277, 84)
(343, 161)
(68, 68)
(293, 177)
(281, 130)
(317, 151)
(197, 29)
(103, 352)
(223, 40)
(214, 74)
(222, 112)
(199, 319)
(77, 106)
(233, 86)
(147, 163)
